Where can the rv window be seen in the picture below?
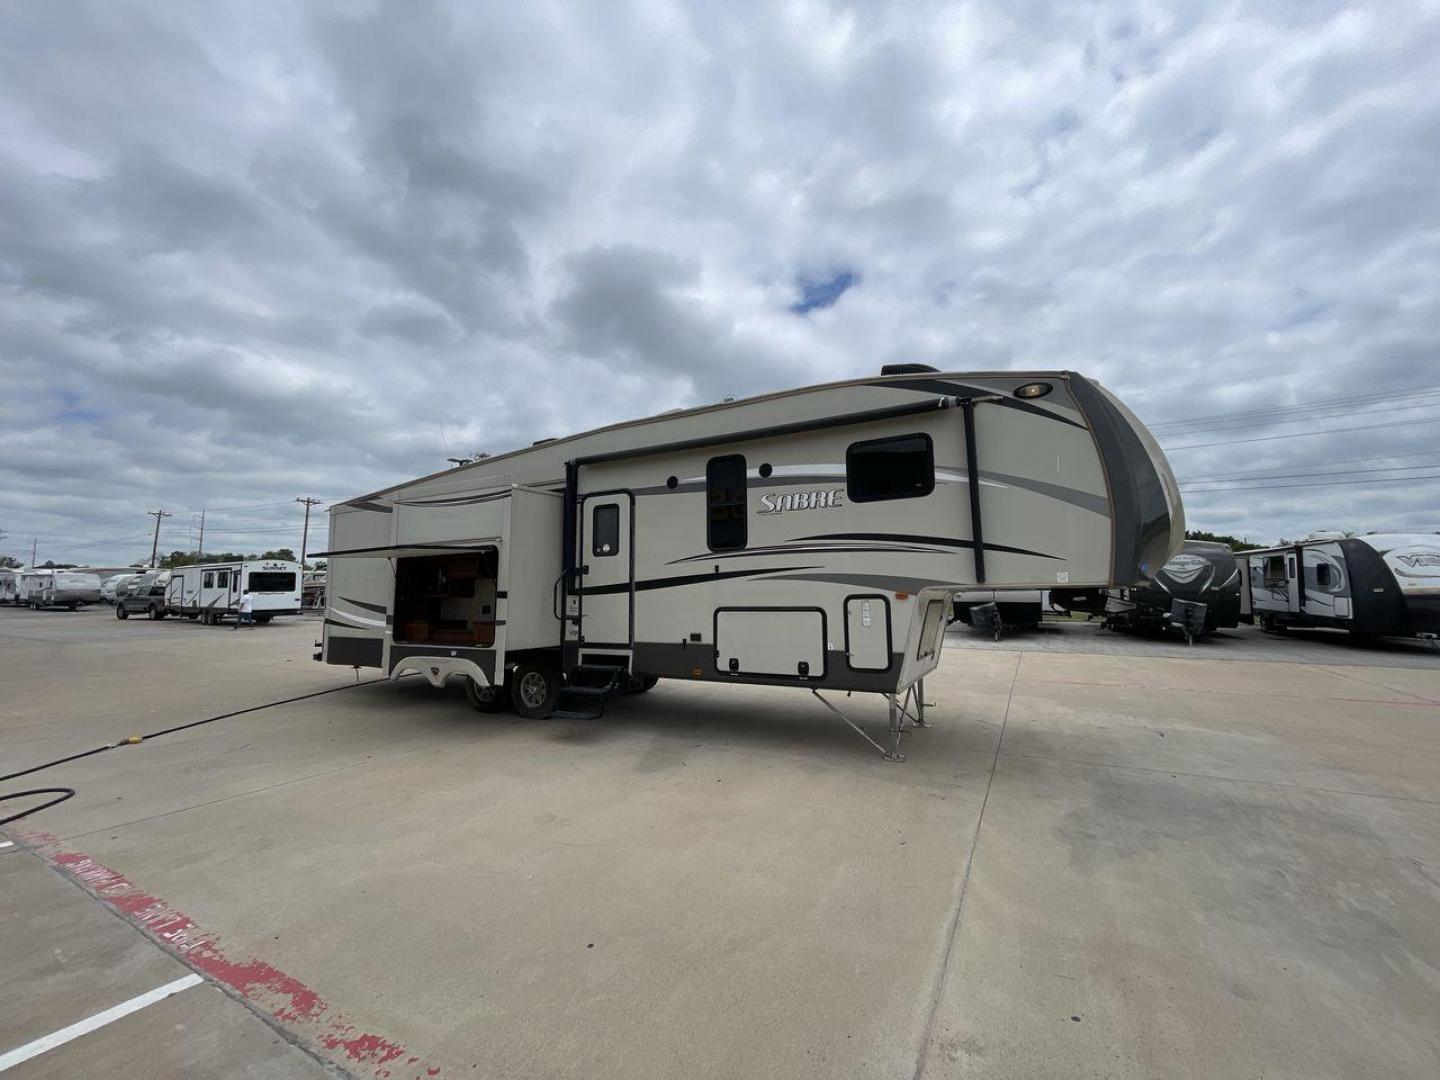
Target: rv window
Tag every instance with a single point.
(902, 467)
(272, 582)
(209, 579)
(605, 531)
(1322, 576)
(725, 502)
(222, 579)
(1291, 561)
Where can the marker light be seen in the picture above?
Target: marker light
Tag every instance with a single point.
(1033, 390)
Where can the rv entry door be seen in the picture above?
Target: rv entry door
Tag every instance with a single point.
(607, 597)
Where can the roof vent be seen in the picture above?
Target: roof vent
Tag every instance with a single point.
(909, 369)
(1326, 534)
(542, 442)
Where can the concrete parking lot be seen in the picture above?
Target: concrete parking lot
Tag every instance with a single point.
(1101, 861)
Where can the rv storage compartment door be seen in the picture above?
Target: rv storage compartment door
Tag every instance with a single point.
(867, 633)
(770, 641)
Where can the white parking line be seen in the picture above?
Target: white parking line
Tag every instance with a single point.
(84, 1027)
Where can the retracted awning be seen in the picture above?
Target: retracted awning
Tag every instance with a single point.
(408, 551)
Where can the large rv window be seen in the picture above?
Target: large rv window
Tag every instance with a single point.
(725, 502)
(605, 531)
(1322, 576)
(272, 581)
(222, 579)
(209, 579)
(902, 467)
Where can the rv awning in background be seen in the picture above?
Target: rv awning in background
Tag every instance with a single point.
(406, 551)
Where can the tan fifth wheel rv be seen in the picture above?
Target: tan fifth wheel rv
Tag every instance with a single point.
(810, 538)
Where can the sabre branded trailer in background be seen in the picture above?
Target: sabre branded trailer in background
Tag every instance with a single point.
(1203, 573)
(811, 538)
(1385, 584)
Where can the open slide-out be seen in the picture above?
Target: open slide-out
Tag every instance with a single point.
(447, 599)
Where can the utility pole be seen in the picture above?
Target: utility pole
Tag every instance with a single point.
(158, 515)
(33, 542)
(305, 536)
(200, 552)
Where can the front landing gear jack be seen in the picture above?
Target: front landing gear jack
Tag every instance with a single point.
(898, 715)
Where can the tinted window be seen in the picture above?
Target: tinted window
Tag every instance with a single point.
(605, 531)
(272, 582)
(222, 579)
(902, 467)
(1322, 575)
(209, 579)
(725, 502)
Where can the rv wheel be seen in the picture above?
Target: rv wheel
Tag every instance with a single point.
(533, 690)
(120, 612)
(646, 683)
(156, 613)
(487, 699)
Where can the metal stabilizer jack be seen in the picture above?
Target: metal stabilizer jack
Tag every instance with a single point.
(915, 696)
(897, 726)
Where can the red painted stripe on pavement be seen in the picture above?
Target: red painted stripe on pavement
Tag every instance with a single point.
(286, 998)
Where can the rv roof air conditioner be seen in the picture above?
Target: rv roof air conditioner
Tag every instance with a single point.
(909, 369)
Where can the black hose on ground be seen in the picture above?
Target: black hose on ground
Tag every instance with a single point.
(134, 740)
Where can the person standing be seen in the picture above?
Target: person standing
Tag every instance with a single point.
(247, 609)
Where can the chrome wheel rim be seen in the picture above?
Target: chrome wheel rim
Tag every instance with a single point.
(533, 689)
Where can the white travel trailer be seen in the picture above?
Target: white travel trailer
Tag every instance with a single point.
(57, 588)
(211, 591)
(9, 586)
(810, 538)
(1384, 584)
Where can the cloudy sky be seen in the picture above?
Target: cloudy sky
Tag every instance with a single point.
(251, 252)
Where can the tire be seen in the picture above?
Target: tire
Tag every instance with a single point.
(263, 620)
(156, 614)
(645, 683)
(120, 612)
(486, 699)
(533, 690)
(73, 607)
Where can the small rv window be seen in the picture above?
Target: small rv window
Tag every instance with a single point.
(605, 531)
(902, 467)
(725, 502)
(1292, 566)
(1322, 576)
(209, 579)
(222, 579)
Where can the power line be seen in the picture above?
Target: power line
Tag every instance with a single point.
(1305, 434)
(1318, 483)
(1293, 476)
(1304, 406)
(1319, 464)
(1319, 412)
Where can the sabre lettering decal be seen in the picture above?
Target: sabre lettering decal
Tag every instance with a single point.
(771, 503)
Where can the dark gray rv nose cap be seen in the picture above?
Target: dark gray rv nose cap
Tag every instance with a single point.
(1137, 496)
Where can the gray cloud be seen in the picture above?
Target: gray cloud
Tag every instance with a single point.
(249, 253)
